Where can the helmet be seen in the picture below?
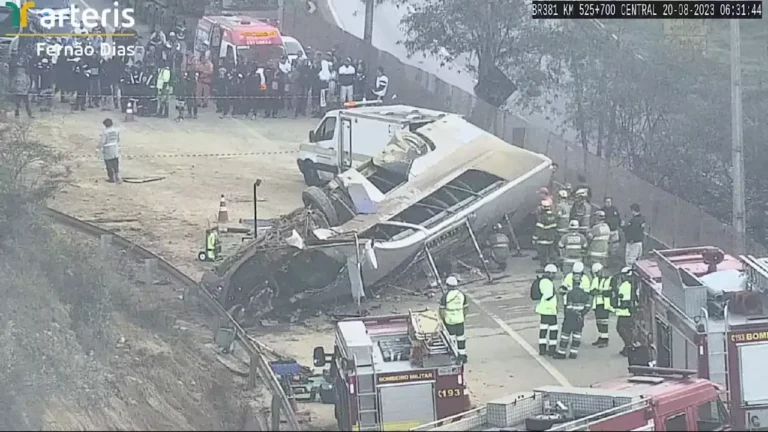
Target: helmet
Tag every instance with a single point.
(543, 191)
(581, 193)
(626, 270)
(550, 268)
(596, 267)
(497, 227)
(600, 214)
(573, 224)
(578, 267)
(562, 193)
(451, 281)
(545, 204)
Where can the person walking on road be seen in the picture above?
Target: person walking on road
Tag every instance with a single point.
(544, 292)
(453, 311)
(109, 144)
(634, 232)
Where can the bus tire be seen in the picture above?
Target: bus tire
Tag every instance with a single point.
(314, 198)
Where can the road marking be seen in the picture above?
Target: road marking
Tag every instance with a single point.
(559, 377)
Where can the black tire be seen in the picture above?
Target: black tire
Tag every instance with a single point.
(542, 422)
(314, 198)
(311, 176)
(202, 256)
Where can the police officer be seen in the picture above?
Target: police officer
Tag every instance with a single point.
(212, 243)
(575, 279)
(599, 237)
(453, 311)
(547, 311)
(581, 210)
(577, 305)
(573, 246)
(546, 230)
(601, 292)
(563, 213)
(622, 301)
(499, 245)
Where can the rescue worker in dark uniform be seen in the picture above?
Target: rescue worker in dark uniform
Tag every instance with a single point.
(81, 81)
(546, 308)
(498, 243)
(252, 90)
(190, 93)
(622, 301)
(45, 83)
(577, 305)
(240, 103)
(93, 65)
(227, 102)
(220, 89)
(453, 311)
(601, 292)
(275, 92)
(544, 236)
(148, 100)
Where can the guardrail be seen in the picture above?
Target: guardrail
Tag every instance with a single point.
(258, 364)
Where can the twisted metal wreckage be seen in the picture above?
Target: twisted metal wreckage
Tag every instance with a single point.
(424, 195)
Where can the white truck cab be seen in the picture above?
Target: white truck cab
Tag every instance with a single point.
(352, 135)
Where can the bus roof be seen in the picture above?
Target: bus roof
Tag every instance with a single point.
(246, 30)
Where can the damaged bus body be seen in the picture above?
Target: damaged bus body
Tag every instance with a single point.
(427, 192)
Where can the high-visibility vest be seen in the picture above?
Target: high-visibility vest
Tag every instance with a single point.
(454, 307)
(568, 282)
(601, 290)
(211, 240)
(599, 243)
(548, 304)
(625, 299)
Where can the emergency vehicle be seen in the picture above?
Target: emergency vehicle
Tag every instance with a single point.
(394, 372)
(239, 37)
(651, 399)
(703, 309)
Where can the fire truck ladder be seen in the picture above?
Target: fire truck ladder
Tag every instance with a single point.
(367, 398)
(717, 350)
(427, 331)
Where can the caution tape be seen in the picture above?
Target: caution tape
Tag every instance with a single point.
(208, 155)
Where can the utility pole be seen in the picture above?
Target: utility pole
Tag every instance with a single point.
(737, 137)
(370, 5)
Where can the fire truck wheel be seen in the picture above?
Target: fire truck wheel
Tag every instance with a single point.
(314, 198)
(542, 422)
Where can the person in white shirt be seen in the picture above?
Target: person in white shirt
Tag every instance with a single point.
(109, 145)
(347, 75)
(285, 65)
(382, 84)
(325, 77)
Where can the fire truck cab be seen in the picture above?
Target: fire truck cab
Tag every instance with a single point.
(394, 372)
(703, 310)
(240, 37)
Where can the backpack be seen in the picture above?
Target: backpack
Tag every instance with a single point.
(535, 291)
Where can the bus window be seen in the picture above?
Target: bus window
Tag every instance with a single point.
(709, 416)
(676, 423)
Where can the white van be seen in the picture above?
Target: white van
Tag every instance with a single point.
(347, 137)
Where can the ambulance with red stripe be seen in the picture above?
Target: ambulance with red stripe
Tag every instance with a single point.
(240, 37)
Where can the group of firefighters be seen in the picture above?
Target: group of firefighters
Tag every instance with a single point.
(571, 237)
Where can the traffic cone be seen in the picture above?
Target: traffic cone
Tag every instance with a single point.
(223, 214)
(129, 111)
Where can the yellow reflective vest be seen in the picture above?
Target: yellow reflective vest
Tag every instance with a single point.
(454, 307)
(625, 299)
(548, 304)
(601, 290)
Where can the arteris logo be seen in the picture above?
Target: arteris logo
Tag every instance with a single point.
(89, 18)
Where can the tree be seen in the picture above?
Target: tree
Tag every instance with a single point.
(493, 33)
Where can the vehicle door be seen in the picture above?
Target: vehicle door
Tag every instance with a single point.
(344, 150)
(677, 421)
(324, 144)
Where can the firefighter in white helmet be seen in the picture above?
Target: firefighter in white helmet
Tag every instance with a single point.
(601, 293)
(575, 278)
(573, 247)
(599, 237)
(563, 212)
(543, 291)
(453, 311)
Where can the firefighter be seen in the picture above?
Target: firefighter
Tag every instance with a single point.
(622, 301)
(546, 229)
(581, 210)
(573, 246)
(453, 310)
(499, 245)
(212, 243)
(547, 310)
(544, 195)
(563, 212)
(577, 305)
(576, 278)
(599, 237)
(601, 292)
(584, 187)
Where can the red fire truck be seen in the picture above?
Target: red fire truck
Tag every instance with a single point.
(703, 310)
(394, 372)
(651, 399)
(239, 37)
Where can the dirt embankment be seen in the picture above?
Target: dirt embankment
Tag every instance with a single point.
(84, 347)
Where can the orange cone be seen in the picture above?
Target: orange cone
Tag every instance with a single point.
(129, 111)
(223, 214)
